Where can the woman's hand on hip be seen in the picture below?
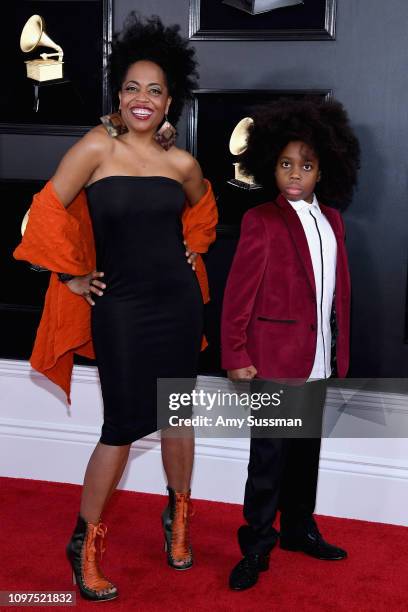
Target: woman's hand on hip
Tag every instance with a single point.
(87, 285)
(191, 256)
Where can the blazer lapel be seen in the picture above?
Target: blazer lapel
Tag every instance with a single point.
(298, 235)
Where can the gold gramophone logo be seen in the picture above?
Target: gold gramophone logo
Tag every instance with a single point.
(237, 145)
(33, 36)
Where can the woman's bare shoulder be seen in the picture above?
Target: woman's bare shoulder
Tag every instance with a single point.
(185, 163)
(189, 168)
(97, 140)
(80, 162)
(181, 156)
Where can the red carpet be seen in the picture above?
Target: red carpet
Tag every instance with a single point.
(36, 520)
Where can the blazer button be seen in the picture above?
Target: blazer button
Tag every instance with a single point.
(313, 327)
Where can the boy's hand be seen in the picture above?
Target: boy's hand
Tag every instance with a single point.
(242, 373)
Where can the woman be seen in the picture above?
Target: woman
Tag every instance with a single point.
(147, 311)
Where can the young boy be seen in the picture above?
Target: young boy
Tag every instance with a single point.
(289, 278)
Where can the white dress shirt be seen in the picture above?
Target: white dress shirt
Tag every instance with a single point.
(323, 251)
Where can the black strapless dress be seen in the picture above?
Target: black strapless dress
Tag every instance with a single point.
(148, 324)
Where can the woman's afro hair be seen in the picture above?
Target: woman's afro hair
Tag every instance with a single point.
(324, 126)
(149, 39)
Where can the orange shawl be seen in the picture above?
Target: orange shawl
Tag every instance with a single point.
(61, 239)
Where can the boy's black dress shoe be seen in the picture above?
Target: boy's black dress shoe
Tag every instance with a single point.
(310, 541)
(245, 573)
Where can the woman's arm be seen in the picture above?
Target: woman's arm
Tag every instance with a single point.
(189, 168)
(194, 187)
(79, 163)
(73, 173)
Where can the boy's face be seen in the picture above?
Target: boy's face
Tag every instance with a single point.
(297, 172)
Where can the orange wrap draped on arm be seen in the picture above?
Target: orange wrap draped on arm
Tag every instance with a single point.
(199, 222)
(61, 239)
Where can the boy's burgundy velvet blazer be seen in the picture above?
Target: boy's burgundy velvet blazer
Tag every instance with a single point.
(269, 315)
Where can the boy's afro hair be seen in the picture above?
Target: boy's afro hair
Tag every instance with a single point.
(149, 39)
(324, 126)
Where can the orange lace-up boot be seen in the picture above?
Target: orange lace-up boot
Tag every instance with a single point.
(176, 519)
(84, 552)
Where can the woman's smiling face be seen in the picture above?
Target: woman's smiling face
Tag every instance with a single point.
(144, 97)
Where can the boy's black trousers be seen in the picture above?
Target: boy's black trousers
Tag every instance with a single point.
(283, 472)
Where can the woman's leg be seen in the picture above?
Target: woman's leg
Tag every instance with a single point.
(102, 475)
(105, 469)
(178, 456)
